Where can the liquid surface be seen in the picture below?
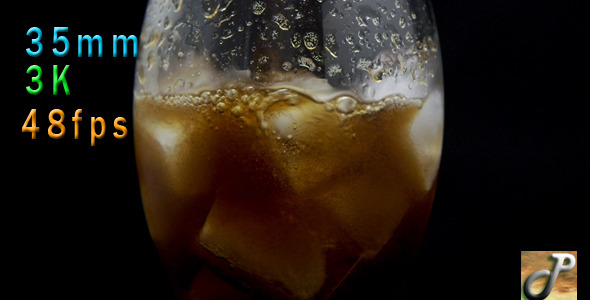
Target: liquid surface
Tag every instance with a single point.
(275, 193)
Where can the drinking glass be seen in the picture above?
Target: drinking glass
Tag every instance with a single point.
(286, 149)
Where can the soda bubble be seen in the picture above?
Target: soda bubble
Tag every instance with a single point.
(236, 111)
(345, 104)
(220, 107)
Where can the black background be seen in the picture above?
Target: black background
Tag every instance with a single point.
(513, 176)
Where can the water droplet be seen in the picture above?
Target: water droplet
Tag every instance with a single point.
(378, 37)
(397, 41)
(310, 40)
(362, 34)
(299, 15)
(349, 39)
(334, 70)
(345, 104)
(306, 63)
(376, 21)
(333, 12)
(150, 60)
(402, 22)
(258, 7)
(287, 66)
(409, 37)
(226, 34)
(361, 21)
(140, 75)
(178, 85)
(331, 45)
(296, 40)
(177, 5)
(281, 21)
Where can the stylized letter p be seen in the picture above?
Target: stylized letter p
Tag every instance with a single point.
(558, 267)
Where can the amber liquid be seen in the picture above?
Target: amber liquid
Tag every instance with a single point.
(254, 193)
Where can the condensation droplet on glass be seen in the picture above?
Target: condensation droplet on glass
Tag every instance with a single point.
(296, 40)
(178, 85)
(258, 7)
(331, 45)
(334, 70)
(349, 39)
(409, 37)
(150, 60)
(281, 21)
(376, 21)
(177, 5)
(310, 40)
(361, 22)
(287, 66)
(140, 75)
(362, 34)
(397, 41)
(333, 12)
(402, 22)
(307, 63)
(345, 104)
(227, 34)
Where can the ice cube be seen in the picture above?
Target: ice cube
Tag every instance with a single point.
(173, 168)
(309, 143)
(427, 135)
(260, 234)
